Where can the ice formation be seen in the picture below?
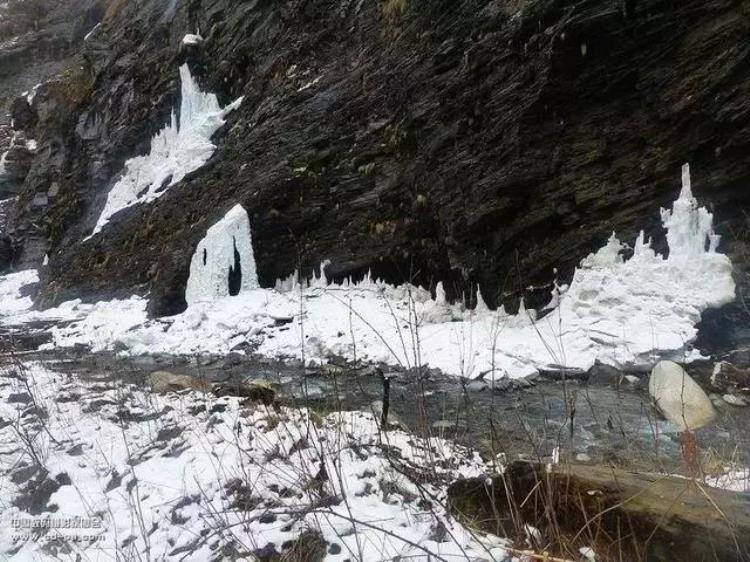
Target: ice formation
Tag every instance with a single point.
(223, 263)
(181, 147)
(621, 312)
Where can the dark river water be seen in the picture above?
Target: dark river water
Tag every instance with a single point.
(605, 419)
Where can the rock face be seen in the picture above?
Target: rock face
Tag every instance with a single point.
(679, 398)
(15, 165)
(39, 39)
(476, 141)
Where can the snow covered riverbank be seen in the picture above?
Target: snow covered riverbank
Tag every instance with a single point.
(623, 312)
(187, 476)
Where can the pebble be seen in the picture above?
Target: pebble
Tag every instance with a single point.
(476, 386)
(733, 400)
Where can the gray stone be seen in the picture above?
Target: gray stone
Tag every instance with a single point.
(21, 113)
(164, 381)
(476, 386)
(40, 200)
(726, 376)
(734, 400)
(679, 398)
(260, 390)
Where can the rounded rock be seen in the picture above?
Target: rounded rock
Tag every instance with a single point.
(679, 398)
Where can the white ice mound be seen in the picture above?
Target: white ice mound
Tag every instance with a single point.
(181, 147)
(650, 303)
(623, 312)
(223, 263)
(682, 401)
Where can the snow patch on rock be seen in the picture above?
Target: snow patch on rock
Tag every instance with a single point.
(181, 147)
(192, 39)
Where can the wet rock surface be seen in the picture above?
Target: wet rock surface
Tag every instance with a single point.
(39, 41)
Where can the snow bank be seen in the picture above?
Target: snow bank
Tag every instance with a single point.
(184, 475)
(181, 147)
(621, 312)
(223, 263)
(11, 301)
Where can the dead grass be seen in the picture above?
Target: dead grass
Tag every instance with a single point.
(393, 10)
(114, 8)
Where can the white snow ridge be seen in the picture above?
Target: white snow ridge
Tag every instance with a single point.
(223, 264)
(181, 147)
(626, 313)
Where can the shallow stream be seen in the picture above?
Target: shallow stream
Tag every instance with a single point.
(607, 419)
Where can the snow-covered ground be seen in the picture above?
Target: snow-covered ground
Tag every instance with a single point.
(11, 299)
(187, 476)
(616, 311)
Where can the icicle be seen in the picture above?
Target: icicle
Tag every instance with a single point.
(608, 255)
(713, 243)
(686, 192)
(440, 294)
(322, 280)
(178, 149)
(481, 305)
(689, 227)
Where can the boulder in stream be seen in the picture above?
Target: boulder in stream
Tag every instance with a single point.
(679, 398)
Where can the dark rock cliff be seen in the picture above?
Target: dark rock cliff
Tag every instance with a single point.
(468, 141)
(39, 39)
